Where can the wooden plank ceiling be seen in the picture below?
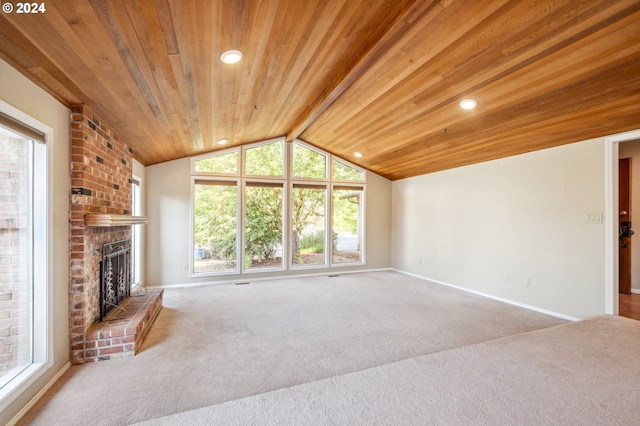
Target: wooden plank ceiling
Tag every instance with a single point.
(383, 77)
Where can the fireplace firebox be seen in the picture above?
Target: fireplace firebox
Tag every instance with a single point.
(115, 275)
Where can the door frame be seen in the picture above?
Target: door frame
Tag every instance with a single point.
(611, 157)
(625, 196)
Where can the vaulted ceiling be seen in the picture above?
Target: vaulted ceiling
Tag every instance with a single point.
(382, 77)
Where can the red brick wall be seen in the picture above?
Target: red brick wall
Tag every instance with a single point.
(101, 175)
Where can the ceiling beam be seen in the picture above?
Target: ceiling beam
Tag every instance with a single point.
(377, 50)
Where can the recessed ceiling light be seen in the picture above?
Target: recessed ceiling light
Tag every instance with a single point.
(468, 103)
(358, 154)
(222, 141)
(231, 56)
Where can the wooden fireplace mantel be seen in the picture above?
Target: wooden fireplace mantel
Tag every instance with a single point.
(106, 219)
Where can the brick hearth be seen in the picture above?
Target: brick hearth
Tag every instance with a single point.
(101, 176)
(121, 334)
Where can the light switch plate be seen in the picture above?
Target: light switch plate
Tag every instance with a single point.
(593, 218)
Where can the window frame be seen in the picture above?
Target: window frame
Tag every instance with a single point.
(351, 165)
(136, 231)
(327, 165)
(214, 178)
(327, 249)
(41, 327)
(285, 223)
(285, 159)
(361, 222)
(288, 181)
(220, 153)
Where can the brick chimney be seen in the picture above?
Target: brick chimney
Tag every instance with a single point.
(101, 174)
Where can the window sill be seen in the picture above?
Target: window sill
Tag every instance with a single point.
(19, 384)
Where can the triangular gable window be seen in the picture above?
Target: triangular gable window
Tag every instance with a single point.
(342, 171)
(265, 160)
(225, 164)
(308, 163)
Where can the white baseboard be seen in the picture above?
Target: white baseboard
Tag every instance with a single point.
(38, 395)
(490, 296)
(249, 278)
(635, 290)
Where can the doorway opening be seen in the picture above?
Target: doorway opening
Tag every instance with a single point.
(613, 301)
(628, 254)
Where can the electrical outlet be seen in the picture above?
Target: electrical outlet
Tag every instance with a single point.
(527, 282)
(185, 266)
(422, 260)
(507, 278)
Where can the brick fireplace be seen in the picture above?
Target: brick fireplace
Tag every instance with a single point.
(101, 176)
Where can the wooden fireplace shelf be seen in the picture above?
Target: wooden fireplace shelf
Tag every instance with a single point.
(105, 219)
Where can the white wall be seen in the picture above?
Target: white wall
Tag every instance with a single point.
(492, 226)
(168, 231)
(20, 93)
(168, 227)
(632, 150)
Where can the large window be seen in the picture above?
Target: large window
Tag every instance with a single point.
(136, 233)
(347, 224)
(263, 224)
(267, 206)
(23, 254)
(215, 232)
(308, 224)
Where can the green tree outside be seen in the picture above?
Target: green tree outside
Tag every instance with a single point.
(215, 221)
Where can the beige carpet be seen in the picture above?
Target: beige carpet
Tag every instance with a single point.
(221, 343)
(585, 373)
